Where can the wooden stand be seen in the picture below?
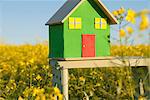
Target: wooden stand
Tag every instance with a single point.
(60, 67)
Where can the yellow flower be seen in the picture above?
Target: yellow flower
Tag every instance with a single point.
(93, 73)
(129, 30)
(82, 79)
(34, 91)
(121, 10)
(22, 63)
(31, 61)
(52, 97)
(122, 33)
(56, 91)
(144, 22)
(45, 67)
(131, 16)
(60, 97)
(72, 77)
(43, 97)
(37, 91)
(145, 11)
(141, 98)
(39, 77)
(115, 13)
(20, 98)
(37, 98)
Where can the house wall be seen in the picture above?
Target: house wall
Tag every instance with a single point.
(56, 48)
(72, 38)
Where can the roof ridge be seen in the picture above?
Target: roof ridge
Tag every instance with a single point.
(70, 6)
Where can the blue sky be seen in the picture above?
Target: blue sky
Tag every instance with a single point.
(23, 21)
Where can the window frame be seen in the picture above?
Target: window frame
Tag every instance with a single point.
(75, 23)
(100, 23)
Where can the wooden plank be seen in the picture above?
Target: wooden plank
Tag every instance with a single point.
(95, 58)
(94, 62)
(104, 63)
(65, 83)
(83, 58)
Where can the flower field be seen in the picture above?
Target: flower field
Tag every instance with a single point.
(26, 75)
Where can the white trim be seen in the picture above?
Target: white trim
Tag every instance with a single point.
(112, 19)
(104, 63)
(73, 10)
(108, 13)
(101, 5)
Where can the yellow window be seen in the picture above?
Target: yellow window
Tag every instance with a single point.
(71, 20)
(97, 20)
(97, 23)
(78, 23)
(75, 23)
(103, 23)
(103, 26)
(97, 26)
(78, 20)
(100, 23)
(71, 23)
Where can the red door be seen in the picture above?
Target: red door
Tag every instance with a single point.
(88, 45)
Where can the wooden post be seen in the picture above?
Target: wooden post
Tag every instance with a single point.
(141, 87)
(60, 68)
(60, 77)
(57, 77)
(65, 83)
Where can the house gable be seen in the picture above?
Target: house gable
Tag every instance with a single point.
(71, 5)
(72, 37)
